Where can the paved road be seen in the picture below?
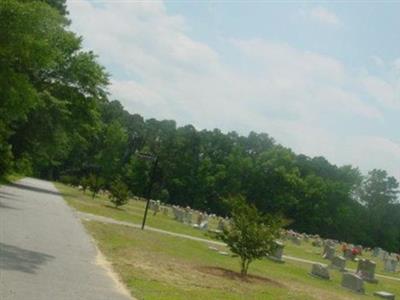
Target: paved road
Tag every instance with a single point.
(45, 254)
(88, 216)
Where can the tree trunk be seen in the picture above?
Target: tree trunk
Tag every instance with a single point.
(243, 267)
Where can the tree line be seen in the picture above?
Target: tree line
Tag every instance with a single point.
(58, 123)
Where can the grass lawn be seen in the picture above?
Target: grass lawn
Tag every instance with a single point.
(157, 266)
(131, 212)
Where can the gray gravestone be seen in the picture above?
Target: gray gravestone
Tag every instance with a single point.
(384, 295)
(390, 265)
(204, 225)
(366, 269)
(320, 271)
(376, 251)
(353, 282)
(329, 252)
(348, 254)
(338, 262)
(296, 240)
(188, 217)
(278, 252)
(316, 243)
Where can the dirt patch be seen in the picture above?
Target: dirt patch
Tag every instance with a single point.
(232, 275)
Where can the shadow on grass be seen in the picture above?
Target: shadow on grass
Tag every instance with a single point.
(232, 275)
(113, 207)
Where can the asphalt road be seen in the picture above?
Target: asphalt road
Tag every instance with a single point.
(45, 253)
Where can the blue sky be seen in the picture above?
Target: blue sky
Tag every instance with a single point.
(322, 78)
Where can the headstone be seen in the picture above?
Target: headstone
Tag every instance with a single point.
(376, 251)
(338, 262)
(348, 254)
(353, 282)
(366, 270)
(155, 206)
(164, 210)
(329, 252)
(384, 295)
(221, 224)
(316, 243)
(320, 271)
(296, 240)
(390, 265)
(204, 225)
(180, 215)
(187, 217)
(278, 252)
(199, 219)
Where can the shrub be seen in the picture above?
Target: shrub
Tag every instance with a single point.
(118, 193)
(250, 234)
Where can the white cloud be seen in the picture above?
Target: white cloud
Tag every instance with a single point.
(292, 94)
(321, 15)
(377, 61)
(372, 152)
(384, 92)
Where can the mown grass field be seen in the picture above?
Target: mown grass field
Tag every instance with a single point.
(159, 266)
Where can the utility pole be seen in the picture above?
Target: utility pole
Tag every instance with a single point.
(154, 158)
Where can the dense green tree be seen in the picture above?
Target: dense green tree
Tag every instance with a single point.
(250, 234)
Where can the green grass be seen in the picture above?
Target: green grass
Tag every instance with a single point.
(131, 212)
(10, 178)
(157, 266)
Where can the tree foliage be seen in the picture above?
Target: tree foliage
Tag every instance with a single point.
(118, 193)
(250, 234)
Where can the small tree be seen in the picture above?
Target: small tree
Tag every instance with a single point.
(118, 193)
(250, 234)
(95, 184)
(85, 183)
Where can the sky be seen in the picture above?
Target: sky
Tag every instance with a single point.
(322, 78)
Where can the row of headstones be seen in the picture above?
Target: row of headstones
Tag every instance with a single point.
(355, 282)
(352, 281)
(390, 260)
(298, 238)
(185, 215)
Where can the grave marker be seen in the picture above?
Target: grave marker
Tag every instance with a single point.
(366, 270)
(353, 282)
(320, 271)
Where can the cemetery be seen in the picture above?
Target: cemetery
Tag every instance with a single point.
(153, 264)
